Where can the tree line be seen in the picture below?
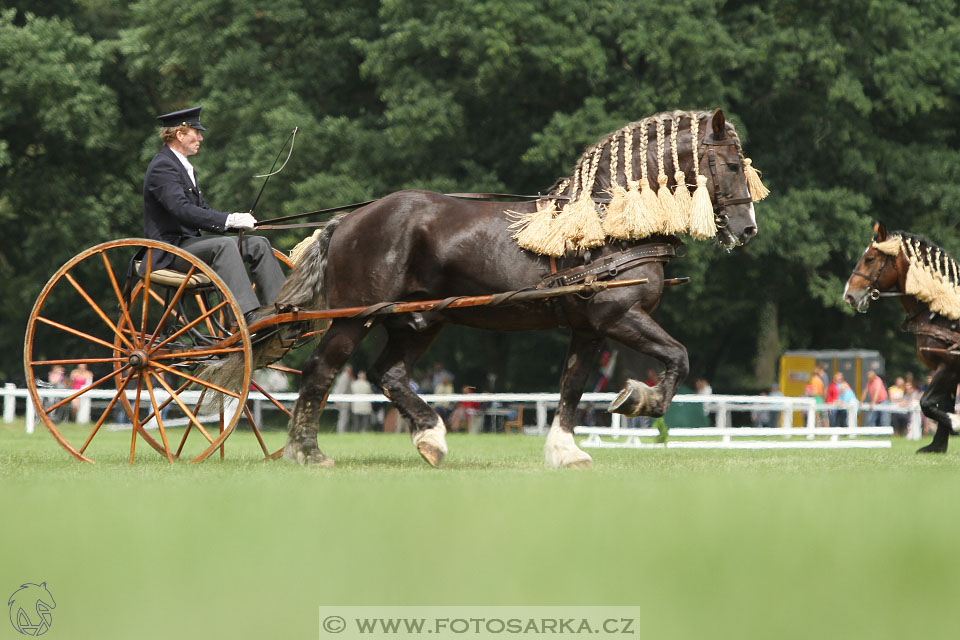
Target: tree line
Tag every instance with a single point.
(850, 109)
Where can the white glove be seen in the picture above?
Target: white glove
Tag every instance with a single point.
(240, 221)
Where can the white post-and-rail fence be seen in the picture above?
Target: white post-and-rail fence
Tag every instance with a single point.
(616, 435)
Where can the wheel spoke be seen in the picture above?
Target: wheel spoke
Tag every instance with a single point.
(203, 307)
(193, 418)
(157, 416)
(120, 391)
(147, 272)
(79, 334)
(280, 367)
(89, 387)
(34, 363)
(189, 326)
(116, 289)
(171, 305)
(256, 431)
(273, 400)
(166, 402)
(96, 308)
(136, 418)
(197, 380)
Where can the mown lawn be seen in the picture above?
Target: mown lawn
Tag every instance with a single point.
(709, 544)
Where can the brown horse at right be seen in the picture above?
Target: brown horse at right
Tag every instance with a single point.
(927, 281)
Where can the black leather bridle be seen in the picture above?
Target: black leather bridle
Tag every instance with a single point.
(721, 200)
(872, 290)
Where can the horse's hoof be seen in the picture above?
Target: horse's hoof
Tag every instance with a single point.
(932, 449)
(310, 458)
(433, 455)
(431, 443)
(561, 452)
(633, 399)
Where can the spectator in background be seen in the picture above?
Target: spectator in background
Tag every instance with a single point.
(467, 415)
(81, 377)
(821, 373)
(763, 417)
(445, 386)
(874, 394)
(818, 384)
(362, 410)
(833, 394)
(810, 391)
(847, 400)
(342, 386)
(895, 395)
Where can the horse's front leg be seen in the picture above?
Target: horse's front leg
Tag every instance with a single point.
(561, 450)
(637, 330)
(937, 403)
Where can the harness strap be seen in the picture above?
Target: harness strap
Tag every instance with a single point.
(608, 266)
(937, 332)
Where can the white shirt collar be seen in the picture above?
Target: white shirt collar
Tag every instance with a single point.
(186, 165)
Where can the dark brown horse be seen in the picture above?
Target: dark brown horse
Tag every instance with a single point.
(416, 245)
(926, 279)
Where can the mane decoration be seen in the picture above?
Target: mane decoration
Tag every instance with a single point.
(932, 277)
(635, 210)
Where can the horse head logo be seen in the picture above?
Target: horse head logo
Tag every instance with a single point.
(30, 607)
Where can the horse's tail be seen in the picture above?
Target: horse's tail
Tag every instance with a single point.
(303, 289)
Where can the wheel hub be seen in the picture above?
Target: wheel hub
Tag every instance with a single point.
(138, 359)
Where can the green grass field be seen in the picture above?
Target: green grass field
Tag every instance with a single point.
(709, 544)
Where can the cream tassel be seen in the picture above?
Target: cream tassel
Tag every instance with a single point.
(665, 209)
(580, 223)
(534, 229)
(296, 254)
(682, 201)
(757, 191)
(703, 225)
(615, 223)
(648, 220)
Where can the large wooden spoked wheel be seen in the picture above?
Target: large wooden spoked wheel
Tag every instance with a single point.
(153, 338)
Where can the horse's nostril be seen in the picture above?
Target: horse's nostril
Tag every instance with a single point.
(750, 231)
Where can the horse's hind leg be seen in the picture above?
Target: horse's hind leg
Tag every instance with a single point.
(319, 371)
(560, 449)
(937, 404)
(392, 373)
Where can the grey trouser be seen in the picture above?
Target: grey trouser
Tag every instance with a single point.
(224, 257)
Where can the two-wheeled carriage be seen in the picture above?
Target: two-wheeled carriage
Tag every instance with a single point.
(151, 338)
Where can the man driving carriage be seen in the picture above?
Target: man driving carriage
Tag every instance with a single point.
(174, 211)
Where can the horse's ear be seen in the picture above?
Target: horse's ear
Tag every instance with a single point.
(719, 125)
(879, 231)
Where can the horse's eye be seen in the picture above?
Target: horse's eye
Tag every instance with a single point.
(868, 260)
(733, 166)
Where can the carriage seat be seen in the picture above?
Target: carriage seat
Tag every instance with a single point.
(172, 278)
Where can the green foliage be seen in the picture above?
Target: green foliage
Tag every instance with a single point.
(849, 108)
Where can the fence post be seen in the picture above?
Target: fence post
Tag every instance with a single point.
(10, 403)
(541, 417)
(30, 416)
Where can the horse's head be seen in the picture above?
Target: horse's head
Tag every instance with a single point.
(733, 209)
(876, 270)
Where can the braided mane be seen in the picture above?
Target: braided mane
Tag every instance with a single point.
(613, 192)
(932, 276)
(631, 143)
